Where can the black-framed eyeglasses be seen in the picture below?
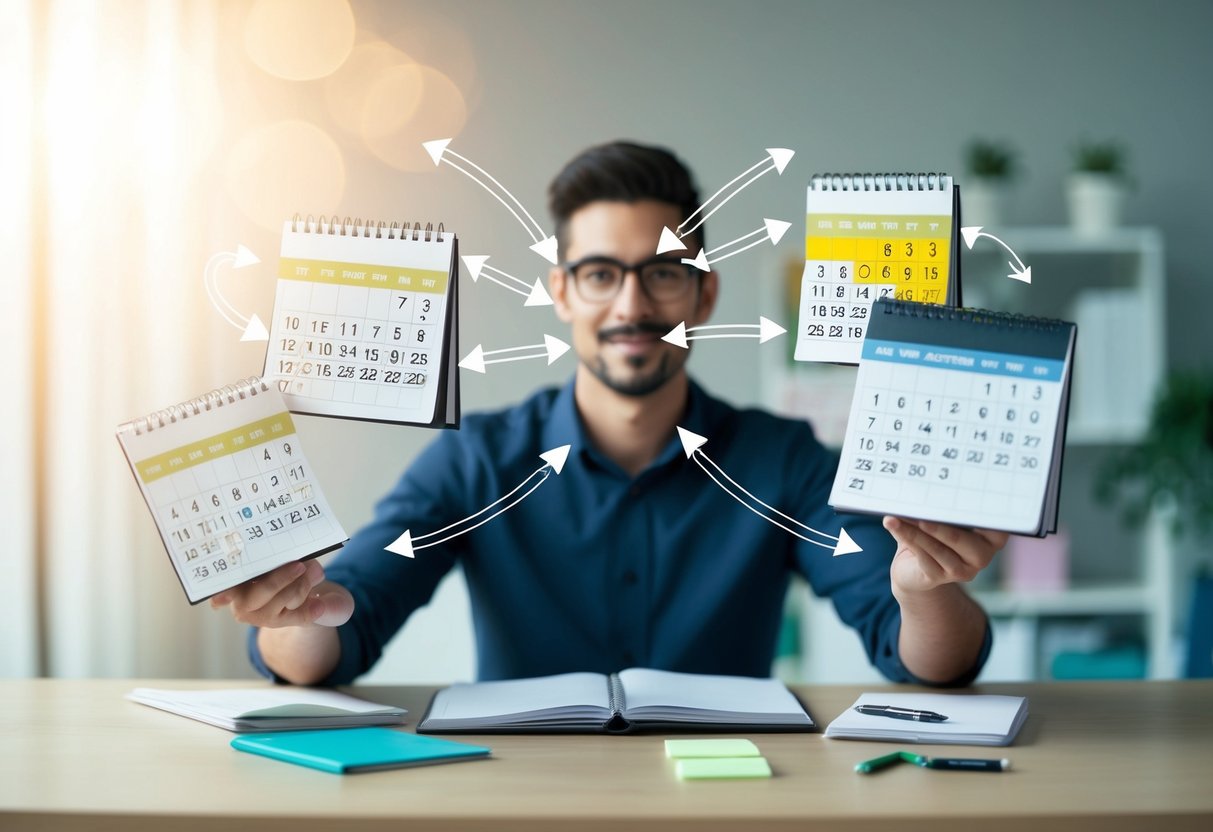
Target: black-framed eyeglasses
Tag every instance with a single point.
(598, 279)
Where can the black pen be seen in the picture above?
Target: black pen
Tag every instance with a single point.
(900, 713)
(955, 763)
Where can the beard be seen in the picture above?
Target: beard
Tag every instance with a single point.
(641, 383)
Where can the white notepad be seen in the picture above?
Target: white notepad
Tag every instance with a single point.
(280, 708)
(972, 719)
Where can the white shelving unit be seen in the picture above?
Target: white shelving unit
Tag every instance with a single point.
(1119, 579)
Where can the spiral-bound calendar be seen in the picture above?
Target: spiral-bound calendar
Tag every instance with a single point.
(229, 487)
(959, 416)
(870, 236)
(365, 322)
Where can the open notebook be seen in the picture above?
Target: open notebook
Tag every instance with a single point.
(971, 719)
(635, 699)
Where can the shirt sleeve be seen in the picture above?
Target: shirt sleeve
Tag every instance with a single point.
(858, 585)
(388, 587)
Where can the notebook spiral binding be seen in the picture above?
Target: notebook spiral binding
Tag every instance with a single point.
(880, 181)
(616, 703)
(228, 394)
(987, 317)
(348, 227)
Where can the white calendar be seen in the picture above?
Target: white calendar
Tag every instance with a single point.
(958, 416)
(229, 487)
(365, 322)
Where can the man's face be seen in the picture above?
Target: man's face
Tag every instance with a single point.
(619, 340)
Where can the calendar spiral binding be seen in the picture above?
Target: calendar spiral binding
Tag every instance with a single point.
(228, 394)
(880, 182)
(355, 227)
(985, 317)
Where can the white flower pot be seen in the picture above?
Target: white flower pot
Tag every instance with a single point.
(983, 202)
(1096, 201)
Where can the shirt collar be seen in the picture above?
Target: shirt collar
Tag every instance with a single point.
(564, 426)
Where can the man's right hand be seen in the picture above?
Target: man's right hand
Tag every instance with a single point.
(293, 595)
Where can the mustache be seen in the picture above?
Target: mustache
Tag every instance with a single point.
(642, 328)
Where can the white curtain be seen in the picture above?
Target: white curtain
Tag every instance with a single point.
(106, 159)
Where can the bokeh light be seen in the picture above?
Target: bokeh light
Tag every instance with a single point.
(440, 112)
(433, 40)
(285, 168)
(299, 40)
(345, 91)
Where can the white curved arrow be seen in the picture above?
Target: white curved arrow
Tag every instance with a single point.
(767, 329)
(476, 360)
(252, 328)
(545, 247)
(1022, 273)
(774, 230)
(406, 544)
(777, 159)
(842, 543)
(536, 295)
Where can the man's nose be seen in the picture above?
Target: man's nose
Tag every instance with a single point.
(632, 299)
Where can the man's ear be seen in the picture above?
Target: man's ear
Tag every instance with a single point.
(558, 288)
(709, 291)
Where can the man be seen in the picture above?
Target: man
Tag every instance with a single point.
(631, 556)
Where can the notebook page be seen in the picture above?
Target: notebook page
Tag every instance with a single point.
(661, 689)
(257, 702)
(470, 701)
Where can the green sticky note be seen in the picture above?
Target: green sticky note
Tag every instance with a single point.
(722, 768)
(682, 749)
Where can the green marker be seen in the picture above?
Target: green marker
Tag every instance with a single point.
(916, 759)
(877, 763)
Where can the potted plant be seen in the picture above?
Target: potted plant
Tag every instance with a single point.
(1173, 463)
(991, 167)
(1096, 187)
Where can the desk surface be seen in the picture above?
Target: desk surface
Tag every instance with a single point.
(75, 755)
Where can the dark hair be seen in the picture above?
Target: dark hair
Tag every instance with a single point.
(622, 172)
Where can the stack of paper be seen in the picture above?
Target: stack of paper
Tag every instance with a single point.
(972, 719)
(281, 708)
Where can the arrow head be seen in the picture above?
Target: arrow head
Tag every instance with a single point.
(677, 336)
(539, 296)
(547, 249)
(669, 242)
(1025, 275)
(768, 329)
(402, 545)
(780, 156)
(436, 148)
(555, 348)
(690, 441)
(556, 457)
(244, 257)
(846, 545)
(699, 261)
(970, 233)
(474, 262)
(474, 360)
(255, 331)
(776, 229)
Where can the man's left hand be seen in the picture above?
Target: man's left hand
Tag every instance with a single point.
(930, 555)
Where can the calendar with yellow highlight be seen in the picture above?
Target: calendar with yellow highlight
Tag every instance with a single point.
(228, 486)
(871, 236)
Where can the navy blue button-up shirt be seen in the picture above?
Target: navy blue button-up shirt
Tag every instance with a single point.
(598, 571)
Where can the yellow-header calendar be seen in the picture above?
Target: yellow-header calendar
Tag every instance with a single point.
(872, 236)
(228, 486)
(365, 322)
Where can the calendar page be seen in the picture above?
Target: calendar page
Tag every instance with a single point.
(229, 487)
(872, 236)
(959, 417)
(364, 323)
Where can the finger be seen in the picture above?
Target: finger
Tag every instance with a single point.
(259, 591)
(292, 596)
(972, 548)
(995, 539)
(220, 600)
(910, 536)
(303, 616)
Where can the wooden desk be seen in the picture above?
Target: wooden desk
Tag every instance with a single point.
(75, 755)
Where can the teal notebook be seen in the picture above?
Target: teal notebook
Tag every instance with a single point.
(350, 750)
